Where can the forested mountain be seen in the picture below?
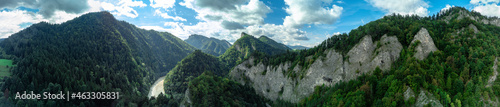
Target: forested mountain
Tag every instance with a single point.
(176, 81)
(211, 46)
(273, 43)
(297, 47)
(244, 47)
(447, 59)
(91, 53)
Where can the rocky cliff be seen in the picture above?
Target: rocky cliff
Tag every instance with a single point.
(270, 81)
(425, 45)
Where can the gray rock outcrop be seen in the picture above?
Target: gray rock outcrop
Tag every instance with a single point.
(270, 81)
(425, 46)
(408, 93)
(426, 98)
(492, 21)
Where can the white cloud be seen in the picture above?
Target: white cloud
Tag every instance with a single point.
(166, 16)
(47, 8)
(183, 31)
(123, 8)
(244, 12)
(12, 20)
(310, 12)
(336, 33)
(484, 1)
(487, 7)
(447, 7)
(403, 7)
(279, 33)
(165, 4)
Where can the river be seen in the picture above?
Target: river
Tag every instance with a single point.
(157, 88)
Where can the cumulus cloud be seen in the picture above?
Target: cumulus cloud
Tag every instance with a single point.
(162, 3)
(279, 33)
(165, 5)
(310, 12)
(15, 20)
(244, 12)
(166, 16)
(484, 1)
(218, 5)
(403, 7)
(447, 7)
(123, 7)
(48, 7)
(12, 20)
(231, 25)
(183, 31)
(487, 7)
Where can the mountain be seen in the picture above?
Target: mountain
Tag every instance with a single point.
(297, 47)
(176, 81)
(244, 47)
(91, 53)
(448, 59)
(211, 46)
(273, 43)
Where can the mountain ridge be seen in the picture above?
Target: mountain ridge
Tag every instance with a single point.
(210, 45)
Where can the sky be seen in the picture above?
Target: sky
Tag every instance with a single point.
(291, 22)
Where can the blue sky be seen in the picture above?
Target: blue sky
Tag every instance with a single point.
(292, 22)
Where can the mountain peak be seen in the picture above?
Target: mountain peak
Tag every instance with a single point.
(103, 17)
(458, 13)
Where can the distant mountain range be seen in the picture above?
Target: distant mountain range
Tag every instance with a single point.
(212, 46)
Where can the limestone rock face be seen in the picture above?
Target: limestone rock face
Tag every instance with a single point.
(409, 93)
(473, 27)
(366, 56)
(425, 46)
(492, 21)
(270, 81)
(426, 98)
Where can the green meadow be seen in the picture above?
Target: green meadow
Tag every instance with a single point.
(5, 64)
